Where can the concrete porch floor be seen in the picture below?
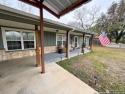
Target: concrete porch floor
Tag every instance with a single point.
(15, 66)
(55, 57)
(56, 80)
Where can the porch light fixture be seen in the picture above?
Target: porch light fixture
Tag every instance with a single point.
(57, 31)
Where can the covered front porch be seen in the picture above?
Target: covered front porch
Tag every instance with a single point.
(55, 57)
(53, 34)
(15, 66)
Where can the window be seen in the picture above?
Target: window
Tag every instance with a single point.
(15, 39)
(61, 40)
(28, 40)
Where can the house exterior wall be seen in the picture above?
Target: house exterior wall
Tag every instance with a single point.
(87, 38)
(72, 40)
(49, 38)
(80, 41)
(49, 41)
(7, 55)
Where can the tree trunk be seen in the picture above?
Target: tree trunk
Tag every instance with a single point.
(117, 40)
(119, 36)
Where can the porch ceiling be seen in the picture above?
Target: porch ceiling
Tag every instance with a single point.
(18, 25)
(56, 7)
(10, 14)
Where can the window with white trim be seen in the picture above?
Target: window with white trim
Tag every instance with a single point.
(61, 39)
(28, 40)
(15, 39)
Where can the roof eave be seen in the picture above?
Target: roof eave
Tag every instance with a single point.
(38, 4)
(71, 8)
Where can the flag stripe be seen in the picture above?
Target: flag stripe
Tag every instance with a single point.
(104, 40)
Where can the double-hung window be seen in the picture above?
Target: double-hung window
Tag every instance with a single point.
(15, 39)
(61, 39)
(28, 40)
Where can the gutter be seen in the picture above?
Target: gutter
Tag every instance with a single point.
(69, 41)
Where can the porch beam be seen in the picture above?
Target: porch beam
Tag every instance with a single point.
(50, 11)
(42, 40)
(38, 5)
(83, 37)
(91, 40)
(37, 47)
(30, 3)
(67, 44)
(72, 7)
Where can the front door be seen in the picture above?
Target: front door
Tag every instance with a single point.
(76, 41)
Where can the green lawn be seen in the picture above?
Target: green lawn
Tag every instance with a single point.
(107, 65)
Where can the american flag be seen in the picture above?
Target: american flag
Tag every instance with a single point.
(104, 39)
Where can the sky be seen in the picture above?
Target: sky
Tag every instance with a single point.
(102, 4)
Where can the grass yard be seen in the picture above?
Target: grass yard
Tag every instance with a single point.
(103, 69)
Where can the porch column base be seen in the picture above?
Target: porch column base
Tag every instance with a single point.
(38, 58)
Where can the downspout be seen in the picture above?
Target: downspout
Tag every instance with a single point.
(69, 42)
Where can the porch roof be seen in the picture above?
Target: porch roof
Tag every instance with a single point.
(12, 14)
(57, 8)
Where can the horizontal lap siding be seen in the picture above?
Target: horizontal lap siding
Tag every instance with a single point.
(72, 39)
(49, 38)
(80, 41)
(87, 41)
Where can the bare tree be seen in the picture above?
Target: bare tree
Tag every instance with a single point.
(85, 18)
(19, 5)
(74, 24)
(24, 7)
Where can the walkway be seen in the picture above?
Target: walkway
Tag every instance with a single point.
(56, 80)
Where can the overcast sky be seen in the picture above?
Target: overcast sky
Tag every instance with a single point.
(103, 4)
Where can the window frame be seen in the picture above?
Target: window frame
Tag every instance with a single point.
(22, 41)
(60, 40)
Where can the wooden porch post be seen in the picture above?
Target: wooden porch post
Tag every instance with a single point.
(37, 47)
(42, 40)
(91, 40)
(83, 36)
(67, 44)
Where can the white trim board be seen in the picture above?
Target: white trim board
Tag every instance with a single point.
(60, 40)
(3, 29)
